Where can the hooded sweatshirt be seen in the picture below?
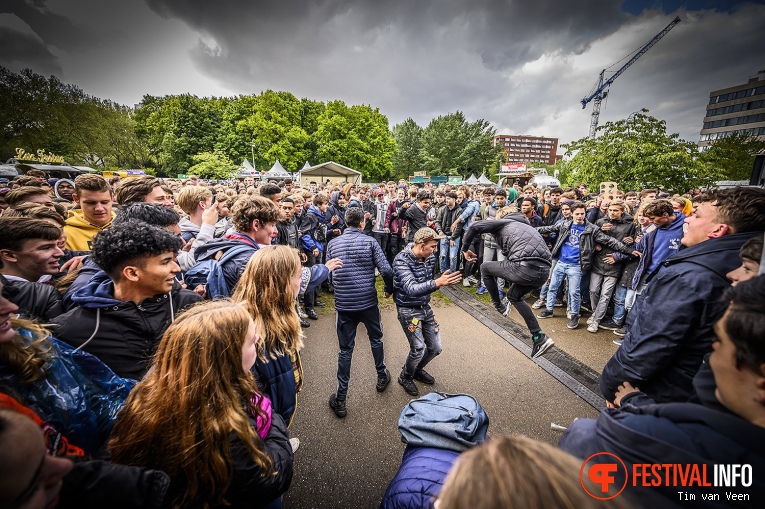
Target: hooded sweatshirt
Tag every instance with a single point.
(123, 335)
(80, 232)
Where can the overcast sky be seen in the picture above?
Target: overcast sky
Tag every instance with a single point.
(523, 65)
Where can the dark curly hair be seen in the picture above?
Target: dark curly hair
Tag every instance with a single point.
(151, 213)
(130, 242)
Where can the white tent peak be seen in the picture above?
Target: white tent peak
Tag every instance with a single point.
(277, 170)
(246, 165)
(471, 180)
(484, 181)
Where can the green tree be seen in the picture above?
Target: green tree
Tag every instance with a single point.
(357, 137)
(409, 157)
(732, 157)
(212, 165)
(453, 146)
(636, 152)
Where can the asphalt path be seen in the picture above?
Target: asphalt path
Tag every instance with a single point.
(349, 462)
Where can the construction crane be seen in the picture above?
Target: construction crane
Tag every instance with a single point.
(601, 87)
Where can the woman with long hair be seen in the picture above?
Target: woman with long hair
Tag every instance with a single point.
(198, 415)
(268, 288)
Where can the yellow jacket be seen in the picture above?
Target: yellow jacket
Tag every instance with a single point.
(80, 233)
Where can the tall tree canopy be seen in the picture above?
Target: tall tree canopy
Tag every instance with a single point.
(637, 152)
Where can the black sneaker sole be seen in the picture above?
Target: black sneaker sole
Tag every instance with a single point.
(340, 413)
(408, 391)
(382, 383)
(426, 381)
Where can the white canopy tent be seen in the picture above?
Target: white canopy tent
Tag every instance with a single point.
(277, 172)
(331, 171)
(484, 181)
(471, 181)
(246, 170)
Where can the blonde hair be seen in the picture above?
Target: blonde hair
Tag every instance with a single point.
(27, 353)
(191, 196)
(265, 288)
(180, 417)
(507, 209)
(516, 472)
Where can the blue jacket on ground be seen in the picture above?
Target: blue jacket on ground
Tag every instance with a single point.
(419, 478)
(670, 325)
(673, 433)
(354, 282)
(413, 279)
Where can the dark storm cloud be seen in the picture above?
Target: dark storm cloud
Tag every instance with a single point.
(53, 28)
(19, 50)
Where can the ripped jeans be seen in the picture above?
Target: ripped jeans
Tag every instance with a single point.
(422, 331)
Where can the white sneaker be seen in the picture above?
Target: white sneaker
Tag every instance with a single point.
(589, 321)
(466, 282)
(294, 443)
(592, 327)
(538, 304)
(473, 280)
(302, 314)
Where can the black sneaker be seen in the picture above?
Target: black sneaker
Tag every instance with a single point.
(499, 307)
(383, 381)
(408, 385)
(337, 406)
(609, 325)
(304, 324)
(573, 323)
(311, 314)
(547, 313)
(541, 345)
(621, 331)
(424, 377)
(319, 304)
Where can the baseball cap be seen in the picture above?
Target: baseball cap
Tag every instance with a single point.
(379, 192)
(426, 234)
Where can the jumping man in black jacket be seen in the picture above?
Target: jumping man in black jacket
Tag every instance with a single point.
(526, 266)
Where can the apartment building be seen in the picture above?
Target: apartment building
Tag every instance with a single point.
(527, 149)
(737, 109)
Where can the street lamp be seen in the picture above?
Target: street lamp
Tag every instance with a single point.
(252, 148)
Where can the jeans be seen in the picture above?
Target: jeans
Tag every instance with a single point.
(624, 298)
(449, 256)
(523, 278)
(488, 256)
(421, 331)
(346, 324)
(573, 274)
(601, 290)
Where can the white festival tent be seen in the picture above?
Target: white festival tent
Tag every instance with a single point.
(277, 172)
(472, 180)
(330, 170)
(246, 170)
(484, 181)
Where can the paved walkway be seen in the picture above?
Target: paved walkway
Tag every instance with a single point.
(349, 462)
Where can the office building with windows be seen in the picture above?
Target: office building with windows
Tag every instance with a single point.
(527, 149)
(739, 109)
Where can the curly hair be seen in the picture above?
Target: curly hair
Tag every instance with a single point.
(130, 243)
(265, 288)
(135, 189)
(249, 208)
(181, 416)
(658, 208)
(150, 213)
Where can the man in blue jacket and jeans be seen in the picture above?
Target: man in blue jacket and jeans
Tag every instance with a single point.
(356, 300)
(413, 270)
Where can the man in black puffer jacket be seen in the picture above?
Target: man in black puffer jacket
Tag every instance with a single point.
(526, 266)
(356, 300)
(413, 282)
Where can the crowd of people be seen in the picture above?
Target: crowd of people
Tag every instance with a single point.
(152, 328)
